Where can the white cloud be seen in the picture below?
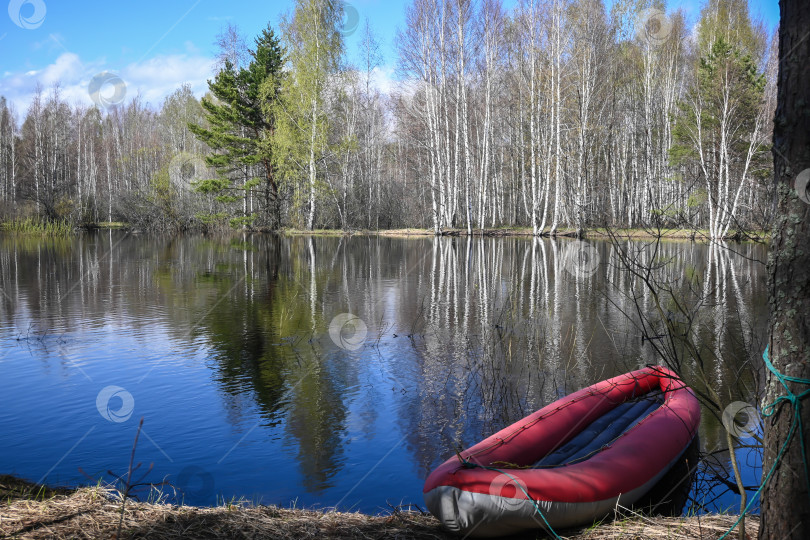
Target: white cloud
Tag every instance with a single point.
(382, 78)
(67, 67)
(158, 77)
(154, 78)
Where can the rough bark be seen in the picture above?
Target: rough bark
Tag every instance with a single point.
(786, 497)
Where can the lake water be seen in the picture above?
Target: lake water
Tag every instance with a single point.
(328, 371)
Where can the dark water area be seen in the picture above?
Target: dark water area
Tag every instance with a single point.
(328, 371)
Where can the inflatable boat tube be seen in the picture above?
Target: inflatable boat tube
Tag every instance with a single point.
(571, 462)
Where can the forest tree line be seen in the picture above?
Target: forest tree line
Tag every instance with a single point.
(556, 114)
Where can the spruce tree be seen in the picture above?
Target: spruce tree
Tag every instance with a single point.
(240, 124)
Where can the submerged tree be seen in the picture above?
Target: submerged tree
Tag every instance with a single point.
(240, 126)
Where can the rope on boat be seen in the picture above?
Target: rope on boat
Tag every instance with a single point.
(770, 410)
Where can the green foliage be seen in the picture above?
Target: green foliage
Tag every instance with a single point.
(683, 151)
(730, 21)
(64, 208)
(213, 185)
(315, 46)
(724, 101)
(728, 74)
(241, 117)
(696, 198)
(252, 183)
(243, 221)
(226, 199)
(162, 193)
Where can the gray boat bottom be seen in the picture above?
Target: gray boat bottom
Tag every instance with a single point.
(485, 515)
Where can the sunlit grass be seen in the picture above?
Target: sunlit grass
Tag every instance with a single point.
(111, 225)
(31, 226)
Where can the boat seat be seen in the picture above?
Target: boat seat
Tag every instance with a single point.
(602, 431)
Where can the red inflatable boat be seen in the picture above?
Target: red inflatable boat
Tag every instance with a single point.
(572, 461)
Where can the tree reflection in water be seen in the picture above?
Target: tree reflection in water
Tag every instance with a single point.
(465, 335)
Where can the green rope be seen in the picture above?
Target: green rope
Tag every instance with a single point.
(470, 464)
(770, 410)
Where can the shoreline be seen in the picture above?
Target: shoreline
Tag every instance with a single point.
(639, 233)
(596, 233)
(28, 510)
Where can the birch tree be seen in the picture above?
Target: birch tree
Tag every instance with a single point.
(8, 154)
(315, 47)
(721, 130)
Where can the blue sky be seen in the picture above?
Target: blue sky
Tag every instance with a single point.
(155, 46)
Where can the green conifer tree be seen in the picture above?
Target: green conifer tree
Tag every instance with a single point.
(240, 124)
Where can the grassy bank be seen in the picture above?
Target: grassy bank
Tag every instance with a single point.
(35, 227)
(31, 511)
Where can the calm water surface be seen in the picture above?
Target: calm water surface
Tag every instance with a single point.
(223, 346)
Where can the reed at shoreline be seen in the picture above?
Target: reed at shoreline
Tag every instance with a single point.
(36, 227)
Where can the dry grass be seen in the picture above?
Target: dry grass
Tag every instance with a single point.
(94, 513)
(28, 511)
(634, 527)
(404, 232)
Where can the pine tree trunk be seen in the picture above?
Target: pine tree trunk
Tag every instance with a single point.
(786, 497)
